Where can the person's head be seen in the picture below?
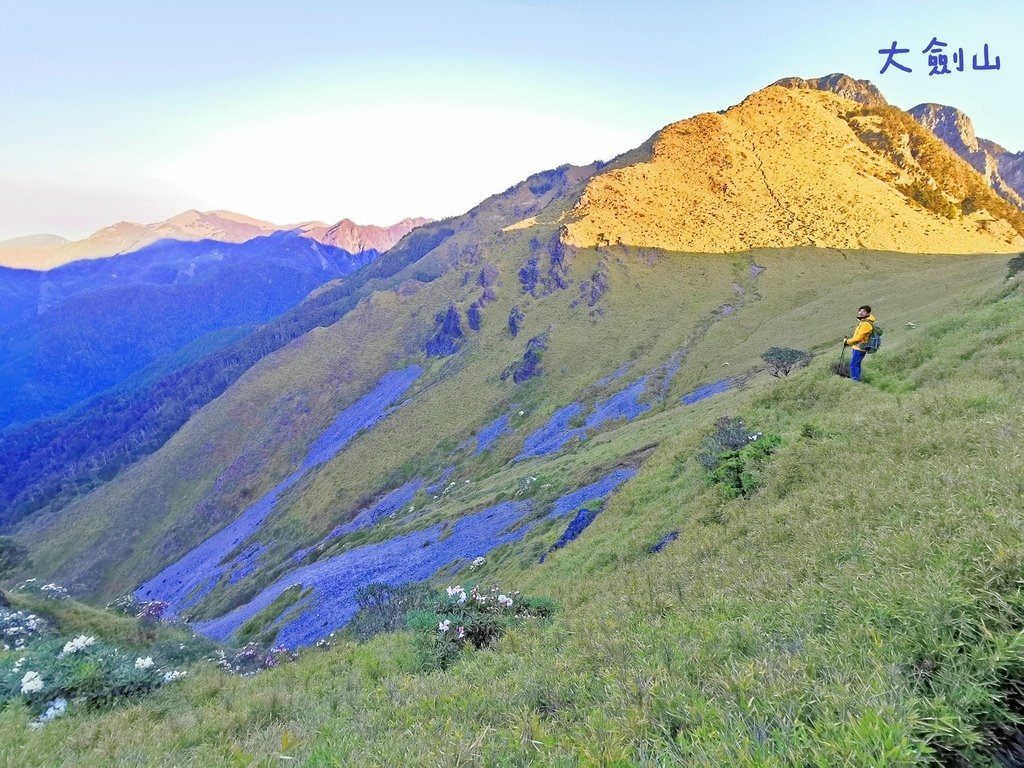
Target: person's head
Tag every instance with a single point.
(863, 312)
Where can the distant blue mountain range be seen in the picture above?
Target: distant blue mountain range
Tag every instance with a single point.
(72, 332)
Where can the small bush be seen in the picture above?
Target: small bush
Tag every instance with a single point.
(1015, 265)
(782, 360)
(739, 471)
(478, 618)
(81, 670)
(734, 456)
(730, 433)
(383, 608)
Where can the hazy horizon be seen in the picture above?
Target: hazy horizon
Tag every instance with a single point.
(382, 113)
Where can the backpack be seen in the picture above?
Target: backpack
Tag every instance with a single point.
(874, 340)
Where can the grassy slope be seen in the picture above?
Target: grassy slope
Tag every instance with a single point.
(863, 608)
(254, 434)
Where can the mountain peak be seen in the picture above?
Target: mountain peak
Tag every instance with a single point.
(354, 238)
(844, 86)
(949, 124)
(793, 167)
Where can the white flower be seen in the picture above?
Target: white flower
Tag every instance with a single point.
(505, 600)
(172, 675)
(457, 591)
(145, 663)
(521, 413)
(462, 632)
(478, 562)
(79, 643)
(31, 682)
(444, 626)
(17, 664)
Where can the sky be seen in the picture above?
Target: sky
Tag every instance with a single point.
(303, 111)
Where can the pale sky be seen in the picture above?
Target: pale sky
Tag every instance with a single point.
(290, 112)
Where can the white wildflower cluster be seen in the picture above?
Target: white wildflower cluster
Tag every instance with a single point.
(145, 663)
(479, 562)
(457, 593)
(530, 480)
(130, 605)
(326, 642)
(173, 674)
(80, 643)
(755, 437)
(445, 626)
(50, 591)
(17, 628)
(911, 325)
(32, 682)
(487, 600)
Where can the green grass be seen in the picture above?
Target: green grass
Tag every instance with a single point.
(864, 607)
(73, 618)
(256, 433)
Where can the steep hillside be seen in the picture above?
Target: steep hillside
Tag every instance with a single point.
(520, 357)
(861, 606)
(796, 167)
(50, 463)
(532, 394)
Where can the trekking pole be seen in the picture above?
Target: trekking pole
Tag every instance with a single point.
(842, 356)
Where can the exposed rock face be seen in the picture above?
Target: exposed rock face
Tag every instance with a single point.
(529, 365)
(515, 320)
(448, 333)
(529, 275)
(860, 91)
(1003, 170)
(796, 167)
(474, 316)
(953, 127)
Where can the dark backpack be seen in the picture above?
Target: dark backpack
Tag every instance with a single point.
(874, 340)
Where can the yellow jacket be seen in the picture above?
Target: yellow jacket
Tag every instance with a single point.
(862, 333)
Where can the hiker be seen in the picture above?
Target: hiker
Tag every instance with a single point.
(858, 342)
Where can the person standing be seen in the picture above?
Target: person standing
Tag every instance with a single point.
(858, 341)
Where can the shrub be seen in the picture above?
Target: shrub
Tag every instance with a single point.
(18, 628)
(252, 658)
(383, 608)
(782, 360)
(1015, 265)
(131, 606)
(739, 471)
(478, 618)
(730, 433)
(81, 670)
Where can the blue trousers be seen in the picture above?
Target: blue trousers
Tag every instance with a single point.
(855, 361)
